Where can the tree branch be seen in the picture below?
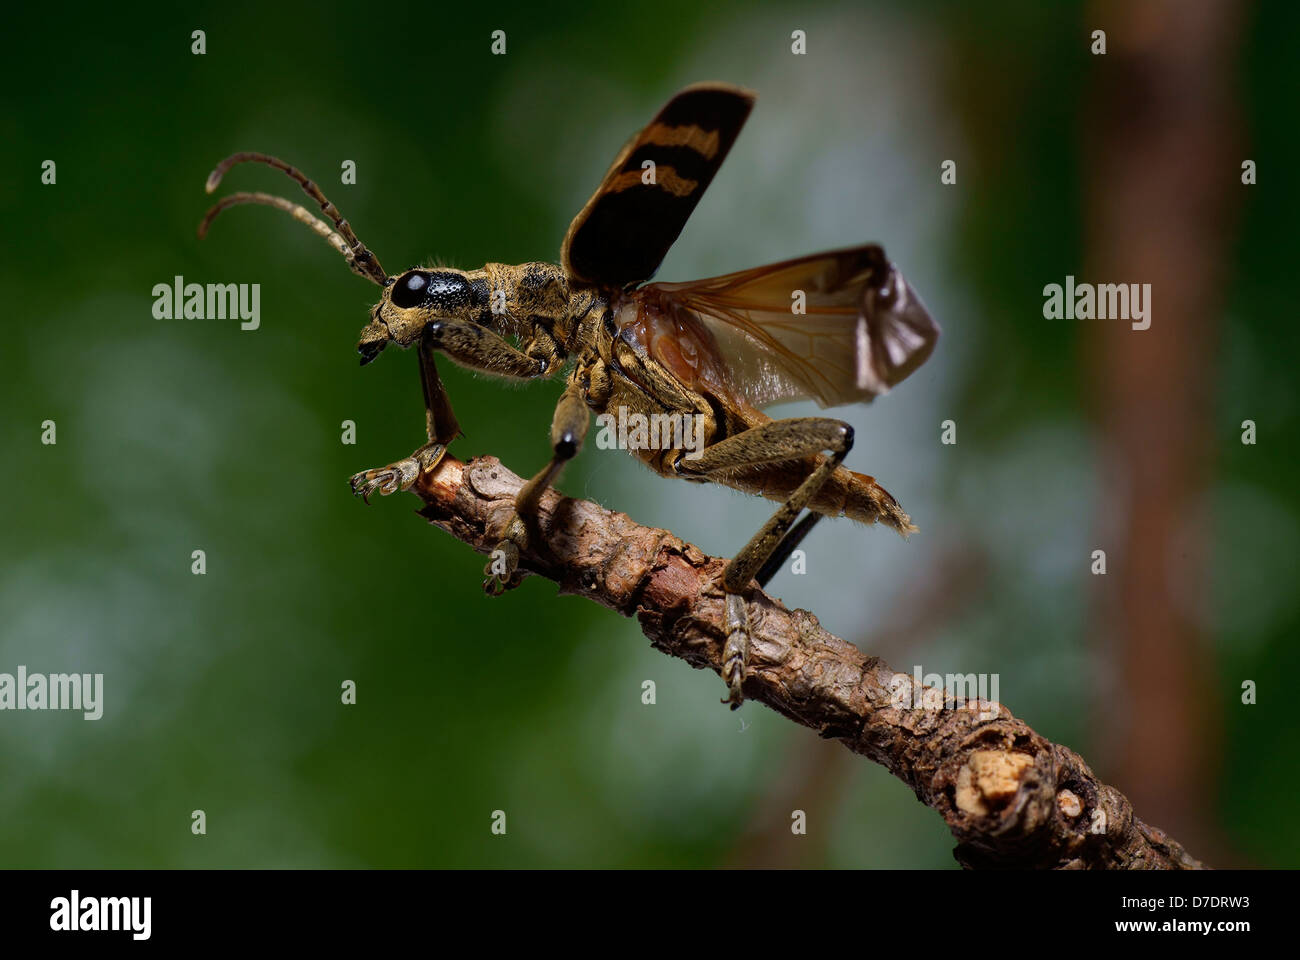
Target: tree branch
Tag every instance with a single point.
(1011, 797)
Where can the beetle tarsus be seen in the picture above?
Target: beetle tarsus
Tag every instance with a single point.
(397, 476)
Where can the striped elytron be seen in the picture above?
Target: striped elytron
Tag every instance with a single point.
(839, 327)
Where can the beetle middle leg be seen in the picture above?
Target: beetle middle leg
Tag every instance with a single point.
(781, 440)
(568, 428)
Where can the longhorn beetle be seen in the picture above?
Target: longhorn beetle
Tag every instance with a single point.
(714, 350)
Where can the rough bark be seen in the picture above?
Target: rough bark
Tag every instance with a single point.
(1012, 798)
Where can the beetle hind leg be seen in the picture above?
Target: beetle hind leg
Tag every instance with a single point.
(781, 440)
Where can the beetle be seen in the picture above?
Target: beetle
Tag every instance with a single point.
(715, 351)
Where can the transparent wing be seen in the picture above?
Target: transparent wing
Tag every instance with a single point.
(861, 331)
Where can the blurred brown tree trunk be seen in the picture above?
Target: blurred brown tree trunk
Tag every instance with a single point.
(1162, 165)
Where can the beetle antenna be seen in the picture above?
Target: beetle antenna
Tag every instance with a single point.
(299, 213)
(364, 262)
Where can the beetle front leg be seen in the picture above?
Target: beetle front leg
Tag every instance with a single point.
(568, 428)
(470, 345)
(440, 425)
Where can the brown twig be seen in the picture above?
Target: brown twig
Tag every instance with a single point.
(1011, 797)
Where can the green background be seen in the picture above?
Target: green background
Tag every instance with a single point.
(223, 690)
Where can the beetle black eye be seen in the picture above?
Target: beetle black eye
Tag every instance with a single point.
(410, 290)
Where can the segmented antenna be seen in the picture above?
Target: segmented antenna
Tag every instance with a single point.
(360, 259)
(298, 212)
